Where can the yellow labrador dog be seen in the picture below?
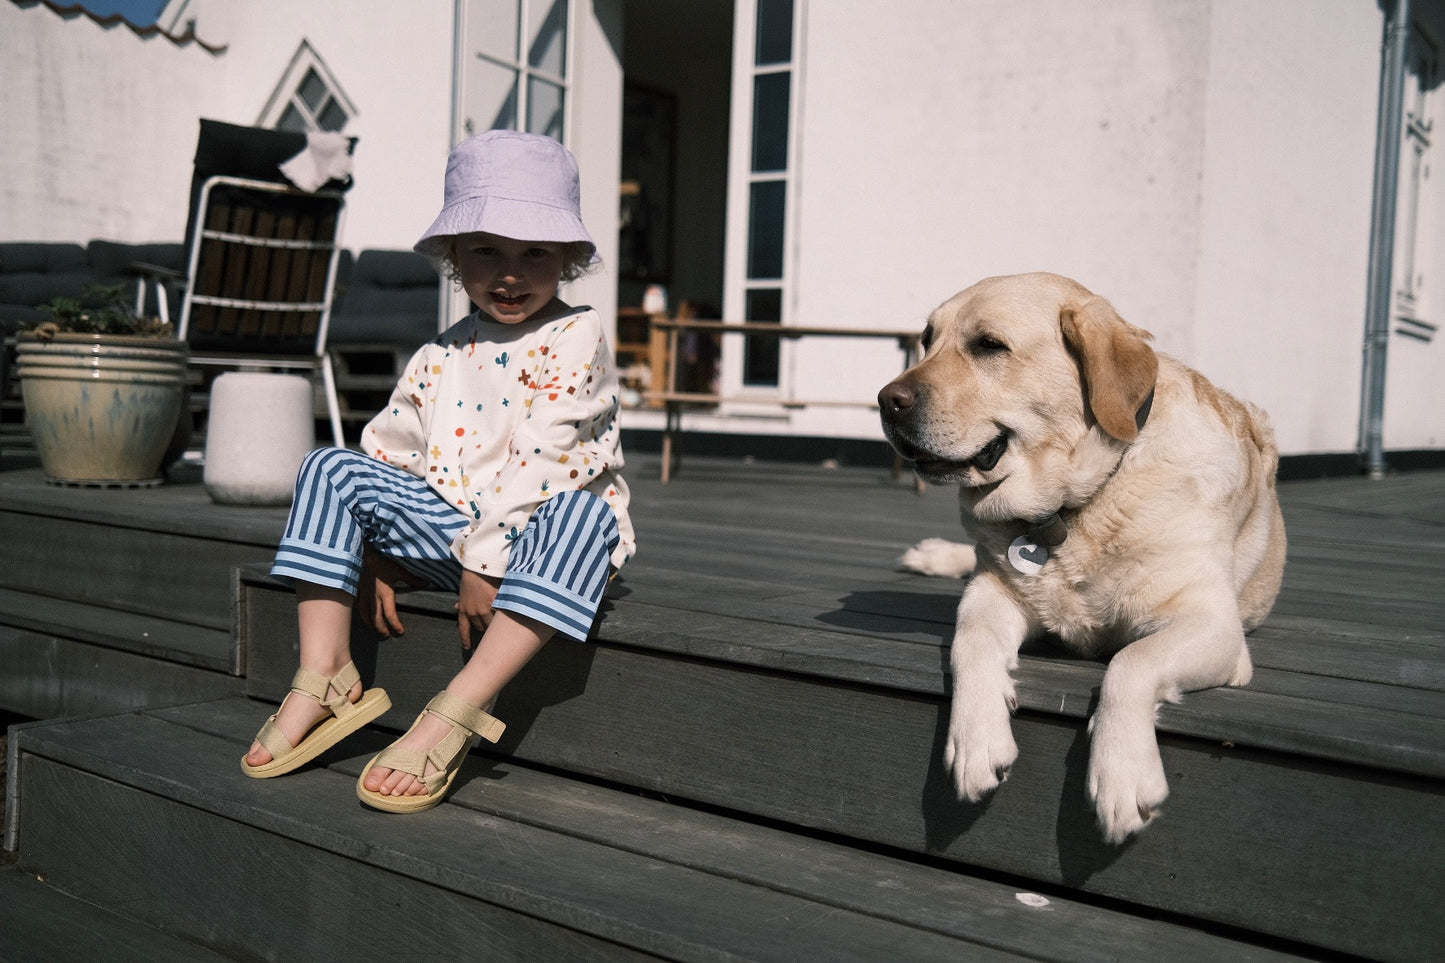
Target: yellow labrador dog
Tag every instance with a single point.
(1117, 500)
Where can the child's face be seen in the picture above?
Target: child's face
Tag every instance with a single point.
(510, 280)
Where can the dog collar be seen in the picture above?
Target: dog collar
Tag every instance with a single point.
(1030, 551)
(1048, 531)
(1142, 415)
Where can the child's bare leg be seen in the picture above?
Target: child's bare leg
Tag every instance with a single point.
(324, 616)
(509, 643)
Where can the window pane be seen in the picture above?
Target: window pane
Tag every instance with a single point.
(775, 32)
(292, 120)
(332, 116)
(765, 230)
(312, 90)
(770, 121)
(494, 94)
(544, 108)
(492, 29)
(547, 36)
(760, 352)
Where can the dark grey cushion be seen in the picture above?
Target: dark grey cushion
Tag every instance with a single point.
(40, 257)
(386, 297)
(33, 272)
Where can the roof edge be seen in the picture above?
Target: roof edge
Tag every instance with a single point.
(69, 11)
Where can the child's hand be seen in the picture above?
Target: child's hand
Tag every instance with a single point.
(376, 595)
(474, 606)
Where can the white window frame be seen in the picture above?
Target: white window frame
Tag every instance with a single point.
(736, 283)
(1413, 255)
(464, 126)
(288, 91)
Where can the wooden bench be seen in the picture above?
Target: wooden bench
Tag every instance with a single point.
(665, 339)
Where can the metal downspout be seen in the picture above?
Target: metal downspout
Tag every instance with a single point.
(1382, 237)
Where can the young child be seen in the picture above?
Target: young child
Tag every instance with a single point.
(493, 472)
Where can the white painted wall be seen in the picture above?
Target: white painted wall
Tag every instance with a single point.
(943, 143)
(1279, 304)
(1206, 166)
(99, 128)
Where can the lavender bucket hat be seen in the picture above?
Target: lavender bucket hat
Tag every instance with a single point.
(518, 185)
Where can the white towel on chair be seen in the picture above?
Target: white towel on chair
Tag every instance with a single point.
(325, 157)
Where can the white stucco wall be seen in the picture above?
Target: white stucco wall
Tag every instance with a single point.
(1207, 166)
(943, 143)
(99, 127)
(1279, 304)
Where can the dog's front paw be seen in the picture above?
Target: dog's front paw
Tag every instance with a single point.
(1126, 777)
(980, 750)
(939, 556)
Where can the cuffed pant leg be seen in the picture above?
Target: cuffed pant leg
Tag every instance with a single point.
(560, 564)
(344, 500)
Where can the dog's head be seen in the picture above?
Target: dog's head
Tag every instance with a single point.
(1029, 387)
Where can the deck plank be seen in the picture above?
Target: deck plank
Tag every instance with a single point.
(638, 871)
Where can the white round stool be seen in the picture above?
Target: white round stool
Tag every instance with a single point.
(260, 427)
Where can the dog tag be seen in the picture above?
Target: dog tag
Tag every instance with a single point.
(1026, 557)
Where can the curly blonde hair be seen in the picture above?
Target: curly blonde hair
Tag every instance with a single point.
(577, 261)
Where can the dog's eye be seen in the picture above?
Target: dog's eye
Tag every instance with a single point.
(984, 345)
(927, 338)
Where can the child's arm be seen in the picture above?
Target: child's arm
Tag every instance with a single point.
(474, 606)
(376, 595)
(397, 433)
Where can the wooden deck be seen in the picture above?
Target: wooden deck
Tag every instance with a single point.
(763, 663)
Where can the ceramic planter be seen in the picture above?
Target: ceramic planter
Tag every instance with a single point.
(101, 409)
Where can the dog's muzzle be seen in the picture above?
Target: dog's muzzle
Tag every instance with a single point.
(896, 410)
(899, 411)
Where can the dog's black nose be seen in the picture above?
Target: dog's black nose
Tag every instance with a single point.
(897, 397)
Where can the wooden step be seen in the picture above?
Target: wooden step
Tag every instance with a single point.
(112, 599)
(519, 863)
(841, 732)
(48, 675)
(42, 923)
(167, 552)
(149, 636)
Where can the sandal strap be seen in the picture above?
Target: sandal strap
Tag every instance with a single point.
(467, 723)
(271, 738)
(461, 713)
(318, 686)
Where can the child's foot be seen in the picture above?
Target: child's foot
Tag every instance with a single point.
(341, 706)
(298, 715)
(421, 738)
(415, 772)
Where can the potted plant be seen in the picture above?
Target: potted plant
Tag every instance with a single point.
(103, 390)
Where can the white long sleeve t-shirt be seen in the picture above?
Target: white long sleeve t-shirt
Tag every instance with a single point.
(500, 417)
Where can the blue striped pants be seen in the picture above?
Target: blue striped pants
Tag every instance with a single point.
(345, 500)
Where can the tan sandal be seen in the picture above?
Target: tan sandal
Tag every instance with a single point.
(468, 724)
(346, 718)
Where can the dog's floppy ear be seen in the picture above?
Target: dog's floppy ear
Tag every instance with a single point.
(1118, 365)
